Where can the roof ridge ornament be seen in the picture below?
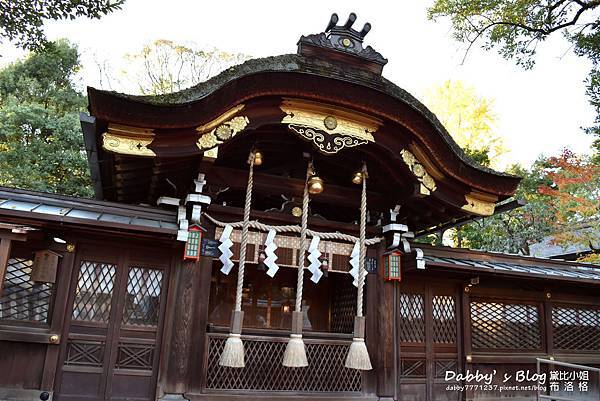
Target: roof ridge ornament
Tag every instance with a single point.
(344, 41)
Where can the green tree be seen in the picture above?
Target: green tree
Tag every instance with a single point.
(470, 120)
(41, 145)
(515, 230)
(515, 28)
(23, 21)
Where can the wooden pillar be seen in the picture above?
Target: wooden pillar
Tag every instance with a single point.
(386, 333)
(5, 244)
(179, 325)
(198, 358)
(466, 319)
(371, 335)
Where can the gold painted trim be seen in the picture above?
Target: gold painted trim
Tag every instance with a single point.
(478, 206)
(127, 140)
(426, 161)
(221, 119)
(221, 129)
(329, 128)
(330, 119)
(420, 172)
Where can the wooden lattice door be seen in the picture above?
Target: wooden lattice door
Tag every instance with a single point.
(428, 340)
(111, 344)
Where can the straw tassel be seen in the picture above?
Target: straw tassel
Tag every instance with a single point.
(358, 355)
(233, 353)
(295, 352)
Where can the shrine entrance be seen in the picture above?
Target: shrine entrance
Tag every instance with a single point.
(111, 342)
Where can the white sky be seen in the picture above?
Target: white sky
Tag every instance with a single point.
(539, 111)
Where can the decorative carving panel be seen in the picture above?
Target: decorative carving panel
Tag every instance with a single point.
(85, 353)
(445, 365)
(128, 140)
(93, 296)
(412, 318)
(329, 128)
(444, 319)
(142, 303)
(264, 372)
(576, 328)
(498, 325)
(412, 367)
(23, 299)
(135, 356)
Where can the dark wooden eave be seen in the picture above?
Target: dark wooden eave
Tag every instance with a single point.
(37, 209)
(472, 263)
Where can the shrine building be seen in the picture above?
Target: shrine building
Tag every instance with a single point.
(323, 178)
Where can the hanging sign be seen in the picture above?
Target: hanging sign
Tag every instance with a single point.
(210, 248)
(44, 268)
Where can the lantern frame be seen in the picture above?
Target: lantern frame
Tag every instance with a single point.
(193, 245)
(392, 266)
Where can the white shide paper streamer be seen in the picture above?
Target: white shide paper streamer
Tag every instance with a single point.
(270, 258)
(354, 262)
(313, 257)
(225, 249)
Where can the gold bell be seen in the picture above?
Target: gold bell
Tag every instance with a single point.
(315, 185)
(357, 178)
(258, 158)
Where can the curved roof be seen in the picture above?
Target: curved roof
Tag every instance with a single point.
(332, 73)
(287, 63)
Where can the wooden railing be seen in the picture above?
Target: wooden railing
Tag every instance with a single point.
(264, 372)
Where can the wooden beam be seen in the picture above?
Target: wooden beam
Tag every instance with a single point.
(277, 185)
(5, 245)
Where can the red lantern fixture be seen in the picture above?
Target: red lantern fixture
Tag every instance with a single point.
(194, 243)
(392, 266)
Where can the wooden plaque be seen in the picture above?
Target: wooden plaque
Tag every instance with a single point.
(44, 267)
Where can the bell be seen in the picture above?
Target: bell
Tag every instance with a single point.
(258, 158)
(315, 185)
(357, 178)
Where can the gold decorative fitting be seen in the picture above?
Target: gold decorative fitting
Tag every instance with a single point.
(328, 127)
(478, 206)
(315, 185)
(258, 158)
(70, 248)
(357, 178)
(54, 338)
(330, 122)
(467, 289)
(221, 129)
(296, 211)
(469, 358)
(128, 140)
(427, 182)
(548, 295)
